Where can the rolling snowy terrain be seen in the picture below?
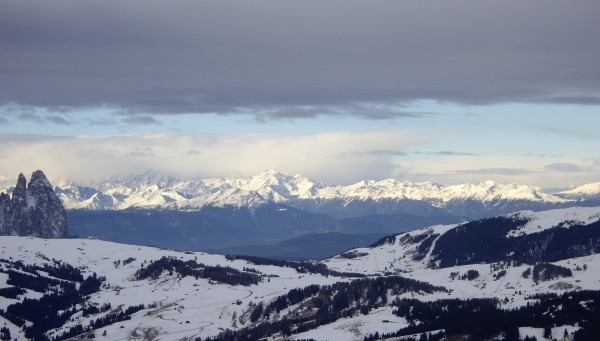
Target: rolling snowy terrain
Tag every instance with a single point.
(180, 303)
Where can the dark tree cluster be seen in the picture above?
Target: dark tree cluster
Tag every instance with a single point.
(11, 292)
(485, 241)
(37, 283)
(331, 302)
(93, 309)
(423, 337)
(452, 319)
(499, 274)
(470, 275)
(128, 260)
(100, 322)
(223, 274)
(63, 271)
(547, 272)
(91, 284)
(482, 319)
(59, 270)
(353, 254)
(300, 267)
(49, 312)
(58, 302)
(385, 240)
(5, 333)
(424, 246)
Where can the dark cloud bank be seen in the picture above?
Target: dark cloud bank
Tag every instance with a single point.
(226, 56)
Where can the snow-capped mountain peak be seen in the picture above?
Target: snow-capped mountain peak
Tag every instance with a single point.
(587, 191)
(158, 190)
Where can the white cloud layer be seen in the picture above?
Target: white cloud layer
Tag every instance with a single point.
(336, 157)
(333, 157)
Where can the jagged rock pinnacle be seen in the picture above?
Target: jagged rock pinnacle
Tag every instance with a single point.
(33, 210)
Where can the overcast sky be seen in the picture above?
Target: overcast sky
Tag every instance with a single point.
(445, 91)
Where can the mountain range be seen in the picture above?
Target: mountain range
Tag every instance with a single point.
(155, 190)
(280, 215)
(254, 215)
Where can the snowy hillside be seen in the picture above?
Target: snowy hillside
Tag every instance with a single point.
(179, 307)
(585, 192)
(185, 307)
(197, 295)
(416, 250)
(155, 190)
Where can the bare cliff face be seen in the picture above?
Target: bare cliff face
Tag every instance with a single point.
(33, 209)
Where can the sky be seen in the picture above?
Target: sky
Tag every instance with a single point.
(340, 91)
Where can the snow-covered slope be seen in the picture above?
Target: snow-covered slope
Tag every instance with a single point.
(155, 190)
(563, 218)
(415, 250)
(584, 192)
(183, 307)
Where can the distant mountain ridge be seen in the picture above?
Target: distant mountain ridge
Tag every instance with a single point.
(156, 190)
(525, 236)
(584, 192)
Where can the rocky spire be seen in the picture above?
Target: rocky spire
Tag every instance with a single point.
(19, 195)
(33, 210)
(4, 211)
(48, 216)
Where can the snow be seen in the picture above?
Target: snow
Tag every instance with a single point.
(380, 320)
(153, 189)
(189, 308)
(564, 218)
(209, 307)
(557, 333)
(587, 190)
(397, 258)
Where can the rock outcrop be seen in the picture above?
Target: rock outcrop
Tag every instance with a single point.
(33, 210)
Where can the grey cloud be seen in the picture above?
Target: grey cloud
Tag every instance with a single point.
(31, 117)
(361, 110)
(291, 113)
(100, 121)
(498, 171)
(543, 155)
(386, 152)
(39, 119)
(218, 57)
(447, 153)
(194, 152)
(3, 120)
(575, 99)
(141, 120)
(564, 167)
(57, 120)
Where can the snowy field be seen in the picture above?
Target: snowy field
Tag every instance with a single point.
(186, 308)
